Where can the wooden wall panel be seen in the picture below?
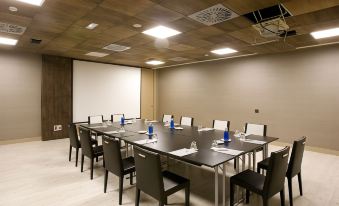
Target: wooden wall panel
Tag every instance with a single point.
(56, 97)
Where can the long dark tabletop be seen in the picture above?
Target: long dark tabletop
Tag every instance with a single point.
(170, 140)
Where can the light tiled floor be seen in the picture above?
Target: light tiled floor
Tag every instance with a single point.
(38, 173)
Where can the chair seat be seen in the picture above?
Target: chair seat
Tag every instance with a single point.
(173, 182)
(98, 151)
(128, 164)
(264, 164)
(250, 180)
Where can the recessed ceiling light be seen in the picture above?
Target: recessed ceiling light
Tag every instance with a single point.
(137, 25)
(13, 8)
(161, 32)
(325, 33)
(33, 2)
(116, 47)
(224, 51)
(155, 62)
(91, 26)
(8, 41)
(96, 54)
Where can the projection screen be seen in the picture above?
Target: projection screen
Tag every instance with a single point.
(105, 89)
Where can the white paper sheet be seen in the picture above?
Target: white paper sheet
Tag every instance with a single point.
(227, 151)
(183, 152)
(167, 125)
(145, 141)
(112, 132)
(254, 141)
(178, 128)
(142, 132)
(205, 129)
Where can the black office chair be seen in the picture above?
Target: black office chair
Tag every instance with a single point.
(256, 129)
(267, 186)
(221, 124)
(87, 149)
(75, 143)
(115, 164)
(154, 182)
(187, 121)
(294, 166)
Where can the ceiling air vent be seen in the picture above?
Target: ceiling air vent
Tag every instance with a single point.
(116, 47)
(213, 15)
(11, 28)
(36, 41)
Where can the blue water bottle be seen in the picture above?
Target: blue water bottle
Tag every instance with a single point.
(226, 136)
(122, 120)
(150, 130)
(172, 124)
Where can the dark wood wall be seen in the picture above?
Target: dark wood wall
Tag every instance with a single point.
(56, 97)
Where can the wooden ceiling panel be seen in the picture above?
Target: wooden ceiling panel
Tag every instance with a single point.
(159, 14)
(298, 7)
(61, 25)
(125, 6)
(187, 7)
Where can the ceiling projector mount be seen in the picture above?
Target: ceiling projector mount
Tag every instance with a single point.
(270, 22)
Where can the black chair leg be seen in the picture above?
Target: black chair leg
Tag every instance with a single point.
(131, 178)
(187, 195)
(290, 193)
(231, 194)
(137, 196)
(121, 185)
(258, 169)
(76, 157)
(82, 162)
(70, 153)
(105, 183)
(265, 201)
(247, 196)
(92, 164)
(300, 184)
(282, 197)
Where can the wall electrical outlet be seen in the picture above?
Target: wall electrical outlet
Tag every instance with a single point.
(57, 128)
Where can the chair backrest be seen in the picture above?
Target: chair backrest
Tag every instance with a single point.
(221, 125)
(148, 173)
(112, 154)
(167, 117)
(294, 166)
(73, 135)
(187, 121)
(116, 117)
(96, 119)
(85, 141)
(275, 177)
(256, 129)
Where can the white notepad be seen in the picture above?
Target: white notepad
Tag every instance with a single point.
(183, 152)
(254, 141)
(178, 128)
(238, 135)
(205, 129)
(232, 152)
(112, 132)
(145, 141)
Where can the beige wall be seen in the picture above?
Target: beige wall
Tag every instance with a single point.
(20, 95)
(297, 93)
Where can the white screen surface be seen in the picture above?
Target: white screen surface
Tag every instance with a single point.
(105, 89)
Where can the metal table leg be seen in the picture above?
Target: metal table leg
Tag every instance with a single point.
(224, 184)
(249, 160)
(216, 186)
(254, 160)
(237, 171)
(126, 145)
(265, 151)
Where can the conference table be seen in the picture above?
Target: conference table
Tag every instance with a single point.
(165, 141)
